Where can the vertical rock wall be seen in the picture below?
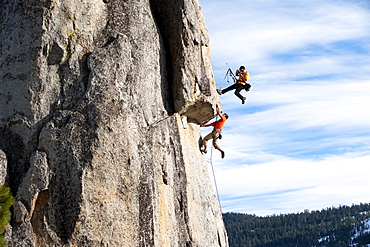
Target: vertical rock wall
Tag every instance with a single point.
(100, 102)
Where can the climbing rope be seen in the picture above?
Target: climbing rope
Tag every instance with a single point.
(214, 178)
(218, 46)
(213, 173)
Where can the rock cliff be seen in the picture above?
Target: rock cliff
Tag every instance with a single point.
(100, 106)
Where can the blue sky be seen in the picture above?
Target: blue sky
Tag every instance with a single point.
(302, 140)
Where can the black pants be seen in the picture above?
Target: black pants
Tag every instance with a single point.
(238, 87)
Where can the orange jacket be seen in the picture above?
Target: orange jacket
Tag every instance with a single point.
(219, 124)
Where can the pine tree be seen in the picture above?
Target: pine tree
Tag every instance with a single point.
(330, 227)
(6, 201)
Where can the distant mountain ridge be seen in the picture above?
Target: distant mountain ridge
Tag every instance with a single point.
(331, 227)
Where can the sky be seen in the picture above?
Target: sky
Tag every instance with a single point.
(302, 139)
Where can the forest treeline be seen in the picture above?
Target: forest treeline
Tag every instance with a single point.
(344, 226)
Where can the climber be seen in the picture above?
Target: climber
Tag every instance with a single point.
(216, 132)
(239, 84)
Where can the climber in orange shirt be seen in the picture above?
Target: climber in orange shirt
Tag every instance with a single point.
(239, 84)
(216, 132)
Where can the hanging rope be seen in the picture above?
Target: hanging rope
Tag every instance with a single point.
(218, 45)
(214, 179)
(213, 173)
(221, 70)
(220, 50)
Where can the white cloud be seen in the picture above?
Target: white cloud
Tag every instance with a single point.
(249, 32)
(335, 106)
(302, 140)
(294, 185)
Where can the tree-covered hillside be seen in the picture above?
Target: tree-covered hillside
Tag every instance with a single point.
(330, 227)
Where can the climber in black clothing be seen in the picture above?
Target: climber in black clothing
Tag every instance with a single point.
(239, 85)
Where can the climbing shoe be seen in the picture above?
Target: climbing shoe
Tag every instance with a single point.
(222, 154)
(219, 91)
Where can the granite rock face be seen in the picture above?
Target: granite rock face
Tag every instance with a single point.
(100, 106)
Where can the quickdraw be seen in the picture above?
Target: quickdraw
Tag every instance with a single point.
(230, 73)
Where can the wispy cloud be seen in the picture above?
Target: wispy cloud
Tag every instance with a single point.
(252, 31)
(286, 185)
(302, 139)
(331, 119)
